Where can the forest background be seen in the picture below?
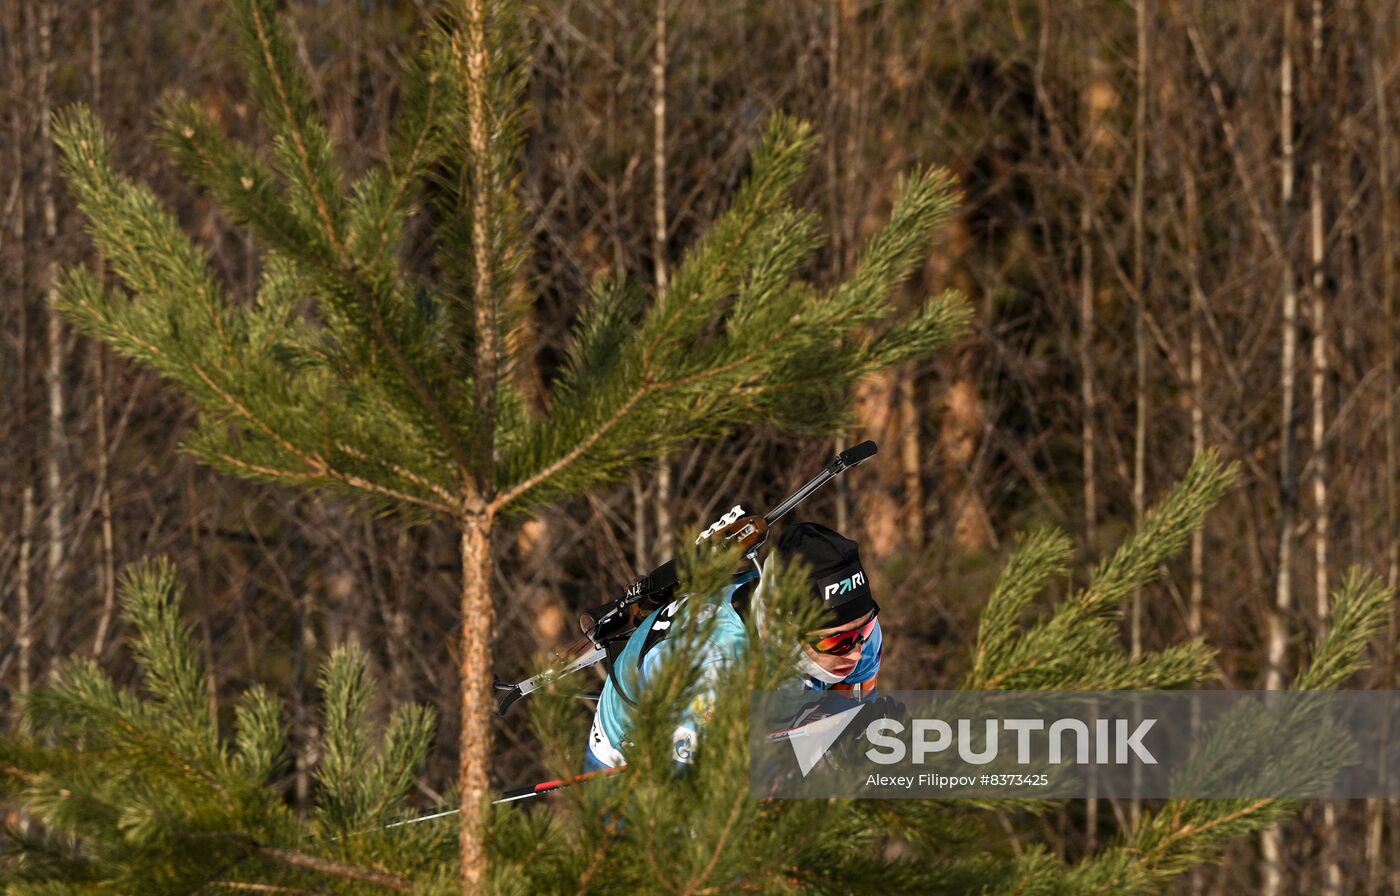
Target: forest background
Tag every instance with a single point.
(1178, 231)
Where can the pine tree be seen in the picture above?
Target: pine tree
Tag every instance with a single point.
(141, 793)
(355, 374)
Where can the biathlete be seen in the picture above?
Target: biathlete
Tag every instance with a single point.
(842, 655)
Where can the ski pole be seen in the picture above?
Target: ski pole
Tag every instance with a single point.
(516, 794)
(530, 791)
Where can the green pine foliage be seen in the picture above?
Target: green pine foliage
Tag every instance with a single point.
(146, 792)
(151, 791)
(355, 373)
(1186, 833)
(1076, 647)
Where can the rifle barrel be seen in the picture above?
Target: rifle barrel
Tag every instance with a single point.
(848, 458)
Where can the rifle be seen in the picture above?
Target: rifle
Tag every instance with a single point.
(615, 620)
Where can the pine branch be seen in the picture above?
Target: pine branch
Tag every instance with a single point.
(332, 868)
(1242, 751)
(82, 299)
(153, 800)
(1077, 647)
(260, 739)
(238, 179)
(1359, 608)
(324, 474)
(1038, 556)
(345, 696)
(1164, 531)
(741, 796)
(165, 650)
(507, 497)
(407, 474)
(284, 95)
(707, 271)
(287, 101)
(417, 143)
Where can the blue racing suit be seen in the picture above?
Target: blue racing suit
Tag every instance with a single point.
(726, 641)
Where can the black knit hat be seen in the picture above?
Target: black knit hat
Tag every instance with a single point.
(838, 579)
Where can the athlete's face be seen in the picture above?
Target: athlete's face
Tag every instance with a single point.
(841, 664)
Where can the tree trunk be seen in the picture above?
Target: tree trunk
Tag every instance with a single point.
(1088, 402)
(658, 152)
(1283, 592)
(876, 502)
(911, 464)
(1140, 315)
(1196, 594)
(889, 507)
(24, 622)
(837, 13)
(99, 366)
(303, 642)
(57, 519)
(840, 17)
(661, 549)
(962, 420)
(1332, 871)
(1375, 809)
(1196, 589)
(1097, 96)
(640, 554)
(1319, 334)
(1139, 332)
(475, 745)
(477, 521)
(1272, 844)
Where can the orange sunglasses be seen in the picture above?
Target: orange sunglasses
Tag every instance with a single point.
(844, 642)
